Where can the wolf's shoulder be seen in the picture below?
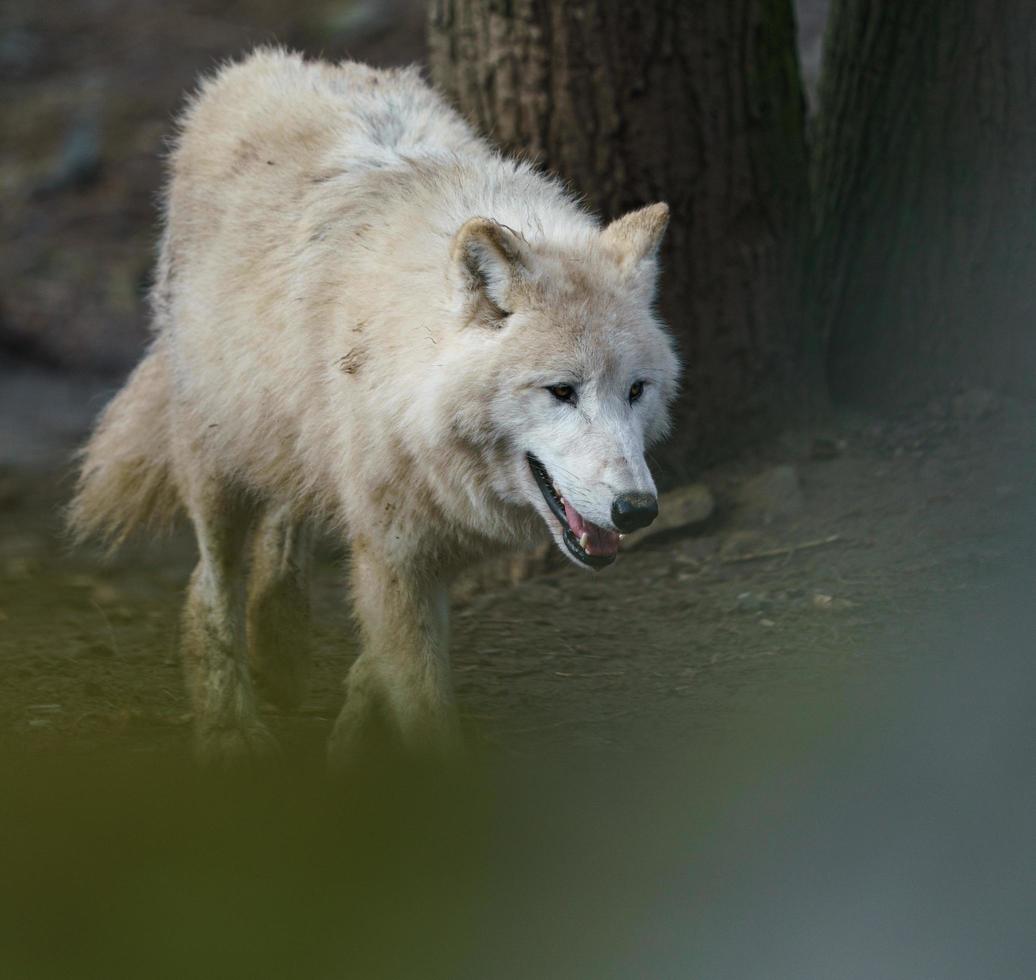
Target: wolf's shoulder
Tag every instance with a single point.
(275, 83)
(306, 107)
(282, 73)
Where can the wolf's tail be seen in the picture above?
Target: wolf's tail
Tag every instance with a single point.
(126, 475)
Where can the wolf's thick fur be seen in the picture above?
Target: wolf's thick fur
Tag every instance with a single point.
(361, 312)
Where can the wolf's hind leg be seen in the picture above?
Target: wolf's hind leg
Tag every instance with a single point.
(226, 725)
(278, 608)
(402, 677)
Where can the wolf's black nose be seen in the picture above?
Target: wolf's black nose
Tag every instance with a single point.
(631, 511)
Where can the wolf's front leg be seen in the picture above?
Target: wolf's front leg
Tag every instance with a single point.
(227, 728)
(402, 676)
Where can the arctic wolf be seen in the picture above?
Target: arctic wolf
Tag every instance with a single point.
(365, 316)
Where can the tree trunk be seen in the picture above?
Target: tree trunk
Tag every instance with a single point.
(925, 183)
(695, 102)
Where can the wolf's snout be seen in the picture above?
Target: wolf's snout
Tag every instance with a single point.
(632, 511)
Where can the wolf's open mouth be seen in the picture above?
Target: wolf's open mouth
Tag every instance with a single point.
(589, 544)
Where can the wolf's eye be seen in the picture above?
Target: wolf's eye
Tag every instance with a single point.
(636, 390)
(563, 393)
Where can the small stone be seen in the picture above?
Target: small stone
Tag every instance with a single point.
(767, 623)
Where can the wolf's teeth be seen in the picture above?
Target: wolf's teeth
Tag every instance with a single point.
(584, 538)
(622, 537)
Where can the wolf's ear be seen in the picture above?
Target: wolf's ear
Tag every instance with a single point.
(634, 240)
(491, 260)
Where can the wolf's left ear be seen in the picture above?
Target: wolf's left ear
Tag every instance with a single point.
(634, 240)
(492, 261)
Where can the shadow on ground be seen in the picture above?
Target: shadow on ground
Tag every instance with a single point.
(882, 833)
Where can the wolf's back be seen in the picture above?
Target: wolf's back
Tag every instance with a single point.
(126, 475)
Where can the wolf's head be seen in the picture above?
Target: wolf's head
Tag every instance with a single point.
(583, 372)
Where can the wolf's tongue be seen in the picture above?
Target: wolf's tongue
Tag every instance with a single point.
(599, 541)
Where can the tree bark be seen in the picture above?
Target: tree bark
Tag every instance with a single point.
(695, 102)
(925, 188)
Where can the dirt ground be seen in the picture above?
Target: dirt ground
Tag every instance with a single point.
(682, 640)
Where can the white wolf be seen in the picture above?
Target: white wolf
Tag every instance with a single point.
(366, 316)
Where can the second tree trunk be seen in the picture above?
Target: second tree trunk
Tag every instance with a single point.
(926, 195)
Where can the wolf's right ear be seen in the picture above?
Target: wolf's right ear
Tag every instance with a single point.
(491, 260)
(634, 240)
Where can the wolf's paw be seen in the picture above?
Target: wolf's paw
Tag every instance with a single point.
(236, 746)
